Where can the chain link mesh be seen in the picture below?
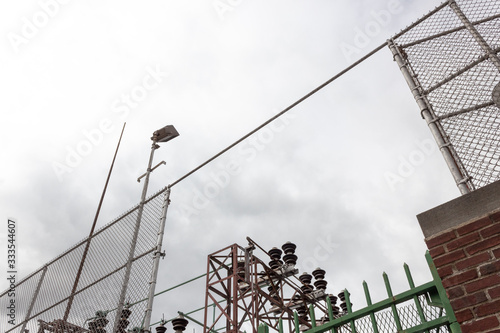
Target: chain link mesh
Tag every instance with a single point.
(408, 315)
(456, 76)
(101, 279)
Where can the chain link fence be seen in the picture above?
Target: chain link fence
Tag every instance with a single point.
(408, 315)
(42, 297)
(451, 58)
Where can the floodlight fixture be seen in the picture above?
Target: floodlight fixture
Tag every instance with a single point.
(165, 134)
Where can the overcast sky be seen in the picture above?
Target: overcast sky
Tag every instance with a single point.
(350, 167)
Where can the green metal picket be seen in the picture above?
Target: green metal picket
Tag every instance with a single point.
(432, 293)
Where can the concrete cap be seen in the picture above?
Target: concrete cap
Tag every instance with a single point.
(472, 206)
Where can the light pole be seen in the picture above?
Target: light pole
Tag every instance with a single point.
(164, 134)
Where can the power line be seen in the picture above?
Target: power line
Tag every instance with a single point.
(281, 113)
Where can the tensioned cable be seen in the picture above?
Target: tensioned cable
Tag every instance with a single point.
(281, 113)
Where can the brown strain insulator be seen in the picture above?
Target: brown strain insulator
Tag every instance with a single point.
(179, 324)
(289, 247)
(275, 253)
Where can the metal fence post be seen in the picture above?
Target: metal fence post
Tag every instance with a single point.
(133, 243)
(477, 36)
(156, 258)
(443, 143)
(454, 325)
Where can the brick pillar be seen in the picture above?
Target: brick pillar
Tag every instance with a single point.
(463, 237)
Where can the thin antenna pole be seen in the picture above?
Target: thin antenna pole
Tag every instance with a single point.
(84, 256)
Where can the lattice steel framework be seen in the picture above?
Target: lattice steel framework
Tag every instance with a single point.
(449, 59)
(41, 298)
(244, 290)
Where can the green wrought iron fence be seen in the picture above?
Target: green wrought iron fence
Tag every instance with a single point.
(423, 308)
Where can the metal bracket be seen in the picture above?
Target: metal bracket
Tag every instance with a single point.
(465, 180)
(162, 162)
(445, 145)
(495, 95)
(162, 254)
(435, 120)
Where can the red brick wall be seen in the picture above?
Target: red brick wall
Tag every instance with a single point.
(468, 261)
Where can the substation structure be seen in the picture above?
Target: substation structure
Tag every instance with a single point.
(243, 291)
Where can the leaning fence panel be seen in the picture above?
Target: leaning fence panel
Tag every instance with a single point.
(42, 297)
(452, 58)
